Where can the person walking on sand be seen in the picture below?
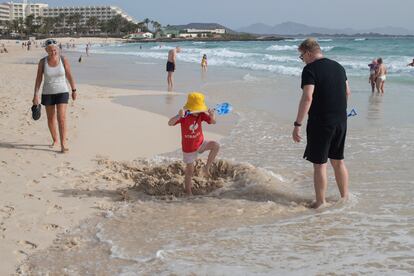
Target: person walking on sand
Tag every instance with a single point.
(381, 76)
(171, 62)
(373, 66)
(55, 70)
(324, 98)
(190, 117)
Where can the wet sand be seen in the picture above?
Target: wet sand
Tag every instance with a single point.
(44, 192)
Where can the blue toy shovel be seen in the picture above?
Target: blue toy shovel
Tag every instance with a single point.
(221, 109)
(352, 113)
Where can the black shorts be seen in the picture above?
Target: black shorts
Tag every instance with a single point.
(325, 141)
(170, 67)
(52, 99)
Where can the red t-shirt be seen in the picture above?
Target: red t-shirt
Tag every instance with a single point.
(192, 132)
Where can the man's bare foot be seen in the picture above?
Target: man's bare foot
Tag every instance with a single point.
(188, 194)
(64, 150)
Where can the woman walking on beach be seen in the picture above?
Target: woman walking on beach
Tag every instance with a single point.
(55, 93)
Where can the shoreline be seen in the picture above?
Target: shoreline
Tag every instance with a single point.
(41, 188)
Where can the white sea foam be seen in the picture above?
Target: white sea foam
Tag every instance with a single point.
(250, 78)
(360, 39)
(325, 40)
(282, 48)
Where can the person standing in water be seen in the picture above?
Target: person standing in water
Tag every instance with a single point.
(204, 63)
(324, 98)
(381, 76)
(372, 73)
(171, 62)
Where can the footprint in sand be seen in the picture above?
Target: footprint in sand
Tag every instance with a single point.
(2, 230)
(6, 211)
(52, 227)
(27, 244)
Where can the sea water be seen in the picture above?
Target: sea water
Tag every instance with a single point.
(264, 226)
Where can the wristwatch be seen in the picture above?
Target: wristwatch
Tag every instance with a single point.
(73, 90)
(296, 124)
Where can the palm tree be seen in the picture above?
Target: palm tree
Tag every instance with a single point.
(29, 24)
(157, 26)
(61, 19)
(141, 26)
(77, 17)
(115, 24)
(92, 23)
(48, 24)
(147, 21)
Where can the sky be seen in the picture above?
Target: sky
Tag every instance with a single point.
(358, 14)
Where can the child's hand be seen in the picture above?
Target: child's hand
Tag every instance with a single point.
(181, 113)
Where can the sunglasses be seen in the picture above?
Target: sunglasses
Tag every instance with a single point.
(301, 56)
(50, 42)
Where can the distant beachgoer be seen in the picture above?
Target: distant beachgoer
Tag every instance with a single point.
(55, 70)
(381, 76)
(192, 141)
(29, 44)
(5, 50)
(171, 65)
(204, 62)
(87, 49)
(324, 99)
(411, 64)
(80, 59)
(373, 66)
(60, 46)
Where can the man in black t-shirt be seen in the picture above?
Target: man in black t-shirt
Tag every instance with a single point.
(325, 93)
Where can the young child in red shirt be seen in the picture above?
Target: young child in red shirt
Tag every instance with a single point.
(190, 117)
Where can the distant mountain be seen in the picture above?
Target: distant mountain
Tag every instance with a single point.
(293, 28)
(203, 26)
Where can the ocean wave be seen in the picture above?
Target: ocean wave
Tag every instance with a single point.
(282, 48)
(325, 40)
(360, 39)
(327, 48)
(162, 48)
(280, 58)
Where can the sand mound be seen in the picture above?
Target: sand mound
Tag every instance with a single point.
(168, 178)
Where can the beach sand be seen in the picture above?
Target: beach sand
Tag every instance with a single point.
(43, 192)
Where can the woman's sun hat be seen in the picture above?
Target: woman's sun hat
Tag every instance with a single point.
(195, 103)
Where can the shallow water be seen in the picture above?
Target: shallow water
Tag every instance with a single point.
(262, 226)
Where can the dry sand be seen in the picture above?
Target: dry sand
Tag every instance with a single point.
(44, 192)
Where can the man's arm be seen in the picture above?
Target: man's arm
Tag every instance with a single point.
(305, 102)
(304, 106)
(348, 90)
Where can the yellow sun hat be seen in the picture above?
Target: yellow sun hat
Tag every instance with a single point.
(195, 103)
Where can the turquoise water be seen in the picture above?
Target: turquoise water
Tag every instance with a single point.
(281, 57)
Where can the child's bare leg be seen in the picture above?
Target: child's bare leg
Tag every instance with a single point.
(189, 171)
(214, 148)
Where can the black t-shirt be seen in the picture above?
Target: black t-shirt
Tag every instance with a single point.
(329, 97)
